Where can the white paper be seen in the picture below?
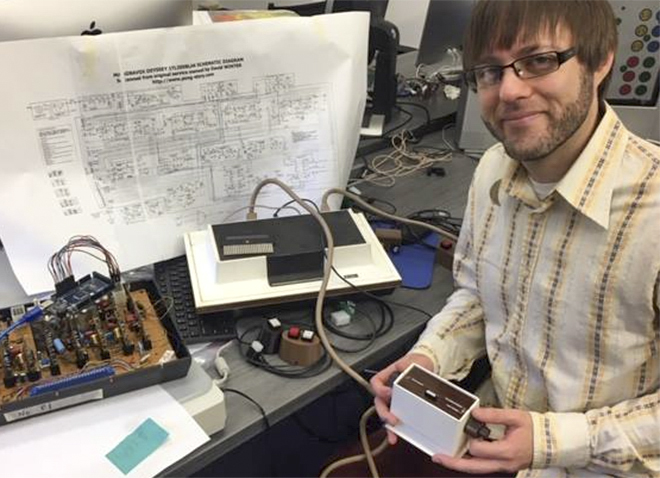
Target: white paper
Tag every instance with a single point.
(139, 137)
(73, 443)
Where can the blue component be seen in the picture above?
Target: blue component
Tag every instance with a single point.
(33, 314)
(109, 337)
(73, 380)
(45, 362)
(30, 316)
(59, 346)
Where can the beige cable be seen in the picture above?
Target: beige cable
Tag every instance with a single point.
(318, 312)
(379, 212)
(327, 270)
(405, 162)
(365, 445)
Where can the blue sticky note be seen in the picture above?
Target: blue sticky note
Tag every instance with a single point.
(137, 446)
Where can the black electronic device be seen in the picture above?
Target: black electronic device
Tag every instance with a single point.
(293, 246)
(173, 280)
(226, 275)
(383, 47)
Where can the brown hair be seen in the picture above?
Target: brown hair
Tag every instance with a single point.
(500, 23)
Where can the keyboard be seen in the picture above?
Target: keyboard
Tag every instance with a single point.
(173, 280)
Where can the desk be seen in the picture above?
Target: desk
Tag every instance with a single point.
(281, 397)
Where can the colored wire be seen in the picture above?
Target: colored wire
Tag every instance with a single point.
(59, 264)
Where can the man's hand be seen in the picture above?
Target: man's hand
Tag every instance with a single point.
(383, 391)
(511, 453)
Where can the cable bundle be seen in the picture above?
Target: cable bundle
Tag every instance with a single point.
(59, 264)
(402, 161)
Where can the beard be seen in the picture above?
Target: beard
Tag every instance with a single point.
(559, 130)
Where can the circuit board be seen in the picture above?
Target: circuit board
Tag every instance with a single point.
(94, 329)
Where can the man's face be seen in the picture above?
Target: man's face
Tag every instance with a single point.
(533, 117)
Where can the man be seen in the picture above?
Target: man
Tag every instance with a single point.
(558, 266)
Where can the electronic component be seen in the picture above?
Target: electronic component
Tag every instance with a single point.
(300, 347)
(293, 271)
(307, 335)
(255, 350)
(445, 254)
(86, 337)
(173, 280)
(434, 414)
(88, 289)
(270, 335)
(71, 380)
(247, 245)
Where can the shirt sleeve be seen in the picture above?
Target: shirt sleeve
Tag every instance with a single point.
(455, 337)
(624, 438)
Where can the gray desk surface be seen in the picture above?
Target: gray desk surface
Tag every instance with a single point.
(281, 397)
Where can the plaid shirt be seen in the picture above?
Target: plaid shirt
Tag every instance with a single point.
(563, 294)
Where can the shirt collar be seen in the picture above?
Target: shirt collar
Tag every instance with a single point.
(588, 184)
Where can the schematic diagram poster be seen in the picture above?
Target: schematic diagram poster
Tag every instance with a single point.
(139, 137)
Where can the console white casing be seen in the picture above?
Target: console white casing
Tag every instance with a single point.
(201, 398)
(424, 424)
(230, 284)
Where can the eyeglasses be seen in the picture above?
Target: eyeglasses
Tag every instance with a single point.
(531, 66)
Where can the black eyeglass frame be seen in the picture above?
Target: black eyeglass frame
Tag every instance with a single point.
(562, 57)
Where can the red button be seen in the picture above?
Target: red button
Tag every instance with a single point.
(446, 244)
(633, 61)
(629, 76)
(294, 332)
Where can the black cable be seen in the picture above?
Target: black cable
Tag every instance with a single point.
(371, 338)
(240, 336)
(318, 436)
(426, 110)
(417, 234)
(247, 397)
(373, 296)
(386, 323)
(380, 299)
(277, 211)
(294, 371)
(440, 218)
(372, 200)
(284, 370)
(271, 454)
(405, 122)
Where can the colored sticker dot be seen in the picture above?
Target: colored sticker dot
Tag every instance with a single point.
(633, 61)
(640, 90)
(656, 31)
(623, 68)
(647, 37)
(637, 45)
(618, 21)
(653, 46)
(624, 90)
(645, 14)
(629, 76)
(649, 62)
(644, 76)
(641, 30)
